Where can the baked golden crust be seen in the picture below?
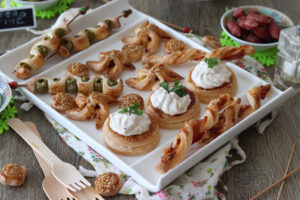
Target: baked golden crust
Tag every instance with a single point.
(131, 145)
(173, 121)
(108, 184)
(206, 95)
(78, 69)
(13, 175)
(174, 45)
(131, 99)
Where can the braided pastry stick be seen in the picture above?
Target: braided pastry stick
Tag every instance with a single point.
(148, 35)
(148, 75)
(74, 84)
(87, 36)
(180, 57)
(211, 125)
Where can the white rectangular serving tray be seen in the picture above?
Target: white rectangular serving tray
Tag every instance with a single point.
(141, 168)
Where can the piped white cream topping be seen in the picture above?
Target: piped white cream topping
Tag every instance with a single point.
(129, 124)
(170, 103)
(209, 78)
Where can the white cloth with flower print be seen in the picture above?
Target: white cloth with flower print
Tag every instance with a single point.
(197, 183)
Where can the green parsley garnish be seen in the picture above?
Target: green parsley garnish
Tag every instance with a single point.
(178, 89)
(212, 62)
(132, 109)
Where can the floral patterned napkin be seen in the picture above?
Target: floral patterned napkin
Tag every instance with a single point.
(197, 183)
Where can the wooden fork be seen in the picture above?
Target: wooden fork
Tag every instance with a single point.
(64, 172)
(53, 188)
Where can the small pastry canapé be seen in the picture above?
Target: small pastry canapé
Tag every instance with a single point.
(108, 184)
(130, 131)
(13, 175)
(210, 78)
(172, 107)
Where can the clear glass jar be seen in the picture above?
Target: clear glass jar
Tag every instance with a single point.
(287, 71)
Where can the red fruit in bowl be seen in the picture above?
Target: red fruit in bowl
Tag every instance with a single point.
(274, 30)
(238, 12)
(262, 32)
(259, 18)
(234, 28)
(246, 23)
(253, 38)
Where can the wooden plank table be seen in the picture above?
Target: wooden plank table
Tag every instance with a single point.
(267, 155)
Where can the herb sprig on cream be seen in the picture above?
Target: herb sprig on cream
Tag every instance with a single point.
(132, 109)
(212, 62)
(180, 90)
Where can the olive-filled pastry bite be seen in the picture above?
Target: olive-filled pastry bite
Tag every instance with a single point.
(130, 131)
(74, 84)
(171, 107)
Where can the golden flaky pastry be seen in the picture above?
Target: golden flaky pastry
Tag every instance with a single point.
(78, 69)
(206, 95)
(131, 145)
(148, 76)
(148, 35)
(221, 114)
(108, 184)
(131, 99)
(84, 107)
(13, 175)
(111, 62)
(174, 45)
(167, 121)
(180, 57)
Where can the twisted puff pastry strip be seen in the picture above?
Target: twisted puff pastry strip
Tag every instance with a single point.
(39, 51)
(147, 35)
(211, 125)
(54, 87)
(148, 76)
(180, 57)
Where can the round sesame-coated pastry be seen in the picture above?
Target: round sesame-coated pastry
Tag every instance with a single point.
(174, 45)
(108, 184)
(62, 102)
(13, 175)
(131, 99)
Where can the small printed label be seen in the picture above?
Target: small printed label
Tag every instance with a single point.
(17, 18)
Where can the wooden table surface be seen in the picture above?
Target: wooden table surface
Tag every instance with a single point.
(267, 154)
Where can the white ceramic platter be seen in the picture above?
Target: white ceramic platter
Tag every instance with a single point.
(141, 168)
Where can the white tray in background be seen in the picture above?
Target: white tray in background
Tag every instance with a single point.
(141, 168)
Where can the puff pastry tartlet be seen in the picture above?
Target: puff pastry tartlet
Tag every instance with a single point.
(130, 131)
(172, 107)
(209, 81)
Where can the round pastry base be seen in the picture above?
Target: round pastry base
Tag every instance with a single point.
(166, 121)
(206, 95)
(131, 145)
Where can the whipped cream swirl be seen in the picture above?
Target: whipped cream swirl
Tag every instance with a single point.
(170, 103)
(129, 124)
(209, 78)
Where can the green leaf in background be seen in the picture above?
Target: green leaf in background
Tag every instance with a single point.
(9, 112)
